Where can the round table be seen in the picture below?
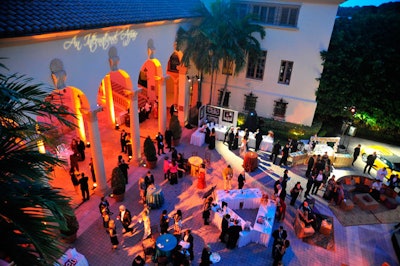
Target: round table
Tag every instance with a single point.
(215, 257)
(250, 162)
(166, 242)
(195, 162)
(154, 197)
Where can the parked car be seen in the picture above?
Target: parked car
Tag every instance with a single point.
(385, 158)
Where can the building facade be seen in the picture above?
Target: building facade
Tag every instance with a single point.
(114, 56)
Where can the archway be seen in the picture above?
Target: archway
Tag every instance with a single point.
(74, 101)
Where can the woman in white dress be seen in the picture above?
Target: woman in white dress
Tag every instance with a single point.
(178, 222)
(243, 147)
(146, 224)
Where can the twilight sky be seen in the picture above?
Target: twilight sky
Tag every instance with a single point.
(350, 3)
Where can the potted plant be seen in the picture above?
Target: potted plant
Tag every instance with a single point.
(68, 234)
(176, 129)
(118, 184)
(150, 153)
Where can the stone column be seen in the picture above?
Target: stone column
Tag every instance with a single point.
(183, 102)
(162, 105)
(134, 127)
(109, 100)
(96, 152)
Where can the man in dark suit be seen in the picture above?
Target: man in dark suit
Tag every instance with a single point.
(81, 149)
(370, 162)
(275, 152)
(356, 153)
(231, 137)
(126, 219)
(310, 165)
(285, 155)
(189, 238)
(234, 233)
(207, 136)
(164, 222)
(279, 236)
(83, 182)
(149, 179)
(160, 143)
(224, 227)
(258, 139)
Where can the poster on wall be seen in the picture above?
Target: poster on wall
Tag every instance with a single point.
(214, 111)
(201, 112)
(227, 116)
(212, 119)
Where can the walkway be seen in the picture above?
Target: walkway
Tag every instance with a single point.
(354, 245)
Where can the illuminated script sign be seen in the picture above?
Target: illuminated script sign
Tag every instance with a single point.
(93, 40)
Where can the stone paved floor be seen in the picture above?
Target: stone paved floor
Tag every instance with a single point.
(354, 245)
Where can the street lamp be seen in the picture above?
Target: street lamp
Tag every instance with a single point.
(346, 125)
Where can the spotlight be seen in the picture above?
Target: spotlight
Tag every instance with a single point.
(116, 126)
(88, 144)
(198, 78)
(189, 79)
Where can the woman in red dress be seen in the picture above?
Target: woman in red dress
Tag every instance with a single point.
(201, 181)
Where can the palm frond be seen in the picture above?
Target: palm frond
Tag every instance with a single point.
(32, 212)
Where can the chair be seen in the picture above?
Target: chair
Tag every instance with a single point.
(162, 261)
(195, 170)
(207, 158)
(300, 228)
(149, 247)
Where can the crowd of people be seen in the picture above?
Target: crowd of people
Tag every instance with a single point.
(318, 174)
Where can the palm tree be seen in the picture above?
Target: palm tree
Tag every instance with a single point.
(32, 212)
(224, 36)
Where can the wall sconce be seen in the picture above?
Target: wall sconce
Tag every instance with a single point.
(88, 144)
(116, 126)
(192, 77)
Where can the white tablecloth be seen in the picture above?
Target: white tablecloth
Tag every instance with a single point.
(220, 132)
(72, 257)
(251, 141)
(250, 197)
(267, 143)
(198, 137)
(245, 237)
(262, 232)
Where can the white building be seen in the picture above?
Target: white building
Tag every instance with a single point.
(99, 54)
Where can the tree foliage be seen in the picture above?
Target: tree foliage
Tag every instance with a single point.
(361, 68)
(220, 35)
(32, 212)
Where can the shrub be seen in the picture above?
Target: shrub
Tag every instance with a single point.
(175, 127)
(150, 150)
(118, 181)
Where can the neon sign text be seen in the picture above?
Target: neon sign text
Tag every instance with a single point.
(93, 40)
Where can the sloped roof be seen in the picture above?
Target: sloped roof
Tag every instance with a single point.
(33, 17)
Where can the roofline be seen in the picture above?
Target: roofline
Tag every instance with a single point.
(12, 41)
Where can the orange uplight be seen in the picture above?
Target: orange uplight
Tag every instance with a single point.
(41, 147)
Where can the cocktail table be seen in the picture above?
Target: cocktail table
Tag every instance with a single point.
(365, 201)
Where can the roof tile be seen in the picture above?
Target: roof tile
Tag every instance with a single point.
(46, 16)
